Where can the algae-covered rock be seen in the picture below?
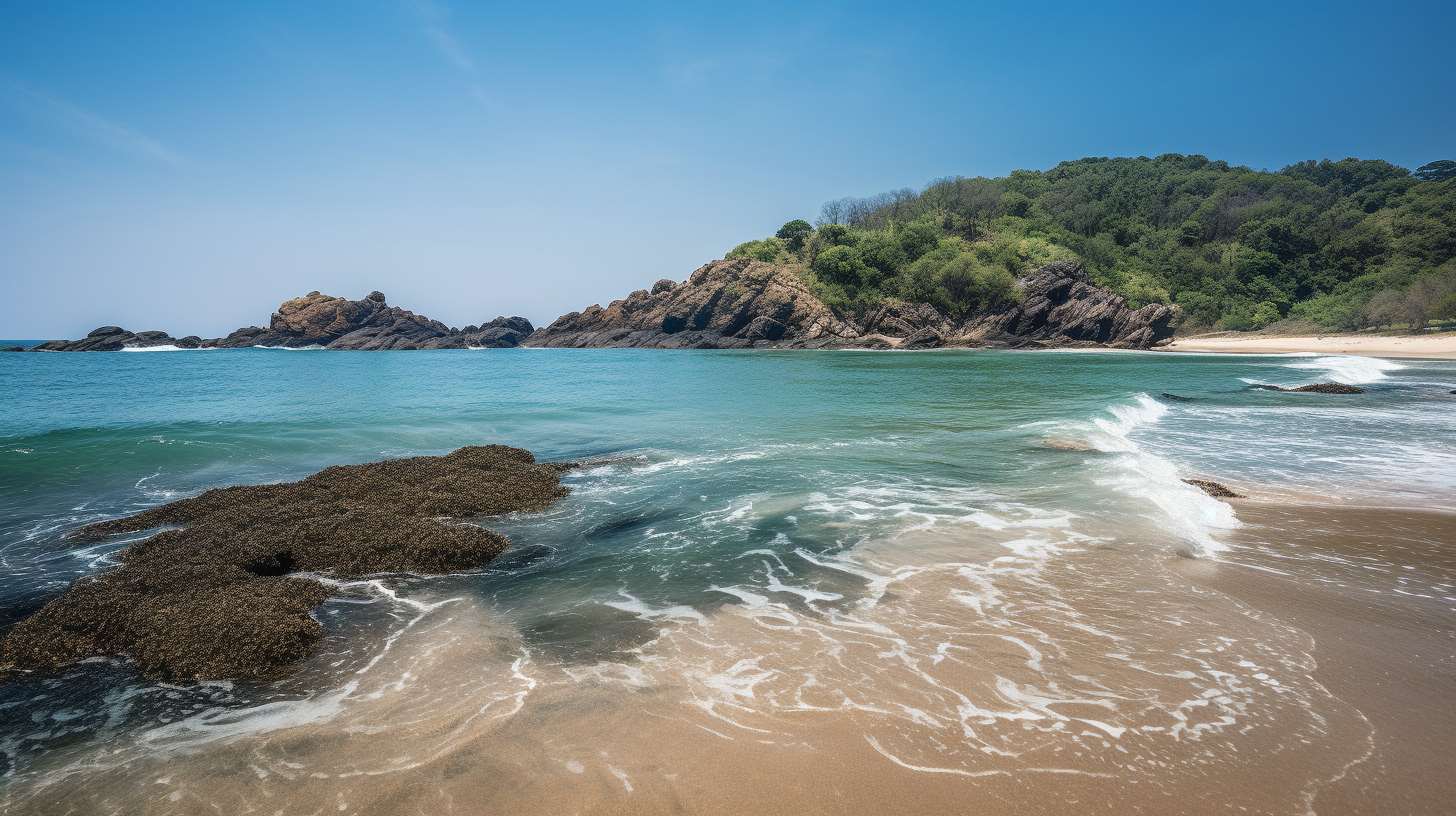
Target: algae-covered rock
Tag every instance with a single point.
(216, 596)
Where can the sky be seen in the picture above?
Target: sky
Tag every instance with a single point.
(187, 166)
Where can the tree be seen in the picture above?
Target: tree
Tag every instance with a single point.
(841, 265)
(1266, 313)
(794, 234)
(918, 237)
(1438, 170)
(1384, 309)
(882, 254)
(1014, 203)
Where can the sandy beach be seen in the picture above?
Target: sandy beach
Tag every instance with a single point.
(1431, 346)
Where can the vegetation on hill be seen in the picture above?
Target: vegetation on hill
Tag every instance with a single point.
(1347, 245)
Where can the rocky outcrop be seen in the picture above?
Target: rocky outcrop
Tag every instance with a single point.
(115, 338)
(728, 304)
(725, 304)
(1061, 306)
(750, 304)
(221, 593)
(1316, 388)
(319, 320)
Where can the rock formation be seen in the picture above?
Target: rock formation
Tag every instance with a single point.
(324, 321)
(726, 304)
(1316, 388)
(750, 304)
(218, 594)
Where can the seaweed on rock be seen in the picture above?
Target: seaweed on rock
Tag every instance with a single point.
(216, 596)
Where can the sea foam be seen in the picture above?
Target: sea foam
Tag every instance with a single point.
(1193, 516)
(1349, 370)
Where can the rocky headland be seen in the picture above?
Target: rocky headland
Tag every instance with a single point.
(225, 590)
(743, 303)
(726, 304)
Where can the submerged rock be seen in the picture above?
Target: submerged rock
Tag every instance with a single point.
(1316, 388)
(216, 597)
(1214, 489)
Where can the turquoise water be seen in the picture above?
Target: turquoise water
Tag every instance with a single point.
(714, 482)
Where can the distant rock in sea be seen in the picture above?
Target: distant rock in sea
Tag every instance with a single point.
(727, 304)
(318, 320)
(743, 303)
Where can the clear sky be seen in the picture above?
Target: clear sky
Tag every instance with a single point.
(188, 165)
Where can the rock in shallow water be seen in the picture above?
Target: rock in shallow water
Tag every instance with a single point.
(1316, 388)
(1214, 489)
(215, 599)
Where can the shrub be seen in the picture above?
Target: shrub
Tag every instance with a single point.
(794, 234)
(840, 265)
(1265, 313)
(766, 250)
(918, 237)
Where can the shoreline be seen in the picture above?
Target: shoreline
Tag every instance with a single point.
(1432, 347)
(1386, 652)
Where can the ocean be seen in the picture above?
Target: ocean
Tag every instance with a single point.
(865, 581)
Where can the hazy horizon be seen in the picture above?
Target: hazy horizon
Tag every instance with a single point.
(188, 169)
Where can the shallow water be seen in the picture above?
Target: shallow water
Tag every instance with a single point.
(901, 574)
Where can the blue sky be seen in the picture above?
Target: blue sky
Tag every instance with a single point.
(186, 166)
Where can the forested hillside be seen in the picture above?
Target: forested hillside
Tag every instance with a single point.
(1347, 245)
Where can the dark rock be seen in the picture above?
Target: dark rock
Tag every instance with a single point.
(323, 320)
(1316, 388)
(1176, 397)
(503, 332)
(1214, 489)
(1061, 306)
(215, 597)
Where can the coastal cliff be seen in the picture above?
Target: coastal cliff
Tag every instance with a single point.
(726, 304)
(742, 303)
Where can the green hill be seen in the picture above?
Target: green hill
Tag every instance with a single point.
(1347, 245)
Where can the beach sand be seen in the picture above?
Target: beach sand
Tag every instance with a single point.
(1346, 612)
(1381, 615)
(1432, 346)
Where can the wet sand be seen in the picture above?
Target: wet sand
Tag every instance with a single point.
(1382, 613)
(1010, 674)
(1440, 346)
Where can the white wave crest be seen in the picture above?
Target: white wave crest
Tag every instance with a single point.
(1350, 370)
(1189, 513)
(166, 347)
